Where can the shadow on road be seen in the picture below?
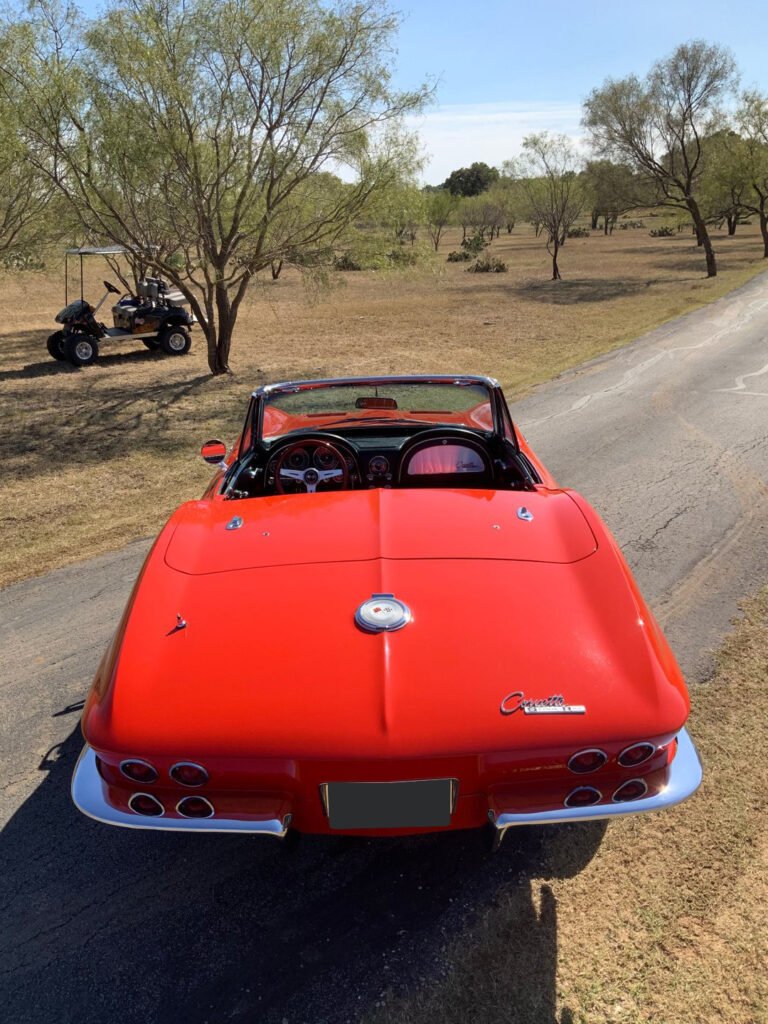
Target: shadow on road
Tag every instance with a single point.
(111, 925)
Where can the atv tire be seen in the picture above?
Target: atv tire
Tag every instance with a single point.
(81, 350)
(175, 341)
(55, 345)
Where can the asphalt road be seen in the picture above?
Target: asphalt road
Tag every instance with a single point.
(668, 437)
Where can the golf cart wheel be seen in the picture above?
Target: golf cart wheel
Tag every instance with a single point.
(55, 345)
(152, 344)
(175, 341)
(80, 350)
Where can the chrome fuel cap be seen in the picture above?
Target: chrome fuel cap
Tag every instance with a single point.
(383, 613)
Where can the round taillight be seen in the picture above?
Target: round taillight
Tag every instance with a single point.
(195, 807)
(584, 796)
(138, 771)
(146, 804)
(633, 789)
(637, 754)
(586, 761)
(188, 774)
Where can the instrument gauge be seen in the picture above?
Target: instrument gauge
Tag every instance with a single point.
(378, 466)
(298, 459)
(324, 458)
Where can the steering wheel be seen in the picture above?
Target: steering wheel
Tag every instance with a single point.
(310, 477)
(111, 288)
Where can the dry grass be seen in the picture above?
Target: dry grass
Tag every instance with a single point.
(667, 923)
(96, 457)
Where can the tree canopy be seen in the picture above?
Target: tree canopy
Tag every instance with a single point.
(472, 180)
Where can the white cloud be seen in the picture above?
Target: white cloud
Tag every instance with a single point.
(458, 135)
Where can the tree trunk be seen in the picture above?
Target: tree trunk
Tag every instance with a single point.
(702, 236)
(276, 267)
(220, 338)
(606, 222)
(555, 268)
(595, 218)
(731, 220)
(764, 232)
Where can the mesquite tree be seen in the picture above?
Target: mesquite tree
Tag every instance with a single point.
(440, 207)
(29, 213)
(549, 181)
(658, 125)
(751, 153)
(196, 132)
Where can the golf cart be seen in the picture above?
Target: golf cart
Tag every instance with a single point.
(156, 316)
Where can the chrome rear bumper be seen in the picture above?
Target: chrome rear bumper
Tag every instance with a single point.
(684, 779)
(88, 794)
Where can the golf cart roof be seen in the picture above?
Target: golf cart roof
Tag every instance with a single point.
(97, 250)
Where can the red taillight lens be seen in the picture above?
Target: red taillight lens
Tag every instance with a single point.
(584, 796)
(138, 771)
(188, 774)
(587, 761)
(195, 807)
(144, 803)
(637, 754)
(631, 790)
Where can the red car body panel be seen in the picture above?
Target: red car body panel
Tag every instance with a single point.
(271, 685)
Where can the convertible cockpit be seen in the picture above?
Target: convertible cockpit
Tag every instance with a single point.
(361, 433)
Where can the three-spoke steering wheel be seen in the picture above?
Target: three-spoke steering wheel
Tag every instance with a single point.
(310, 477)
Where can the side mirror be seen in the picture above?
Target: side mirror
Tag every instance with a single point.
(214, 452)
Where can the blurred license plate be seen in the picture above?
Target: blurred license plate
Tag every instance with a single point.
(424, 804)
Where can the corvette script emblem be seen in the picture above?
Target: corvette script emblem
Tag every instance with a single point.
(554, 705)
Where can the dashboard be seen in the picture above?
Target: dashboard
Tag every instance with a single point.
(445, 457)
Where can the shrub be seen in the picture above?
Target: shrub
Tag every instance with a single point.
(578, 233)
(403, 257)
(459, 256)
(474, 244)
(344, 261)
(626, 224)
(665, 231)
(488, 265)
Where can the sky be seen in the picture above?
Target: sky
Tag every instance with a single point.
(506, 69)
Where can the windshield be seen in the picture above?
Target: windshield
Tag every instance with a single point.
(360, 403)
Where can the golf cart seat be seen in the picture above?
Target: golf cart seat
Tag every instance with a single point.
(154, 290)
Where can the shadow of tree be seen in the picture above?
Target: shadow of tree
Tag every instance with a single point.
(695, 264)
(571, 292)
(105, 925)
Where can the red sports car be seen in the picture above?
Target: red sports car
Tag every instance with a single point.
(383, 617)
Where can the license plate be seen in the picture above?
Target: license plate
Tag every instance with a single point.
(424, 804)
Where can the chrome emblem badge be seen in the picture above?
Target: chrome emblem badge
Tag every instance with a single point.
(383, 613)
(554, 705)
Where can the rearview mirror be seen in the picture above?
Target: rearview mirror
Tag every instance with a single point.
(214, 452)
